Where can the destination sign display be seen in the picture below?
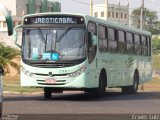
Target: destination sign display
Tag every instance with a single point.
(54, 20)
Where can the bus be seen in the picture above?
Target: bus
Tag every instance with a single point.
(8, 18)
(62, 51)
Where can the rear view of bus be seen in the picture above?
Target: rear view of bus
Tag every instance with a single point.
(53, 52)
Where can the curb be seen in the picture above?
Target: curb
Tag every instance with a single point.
(33, 93)
(21, 93)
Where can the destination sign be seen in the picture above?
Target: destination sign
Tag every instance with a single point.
(54, 20)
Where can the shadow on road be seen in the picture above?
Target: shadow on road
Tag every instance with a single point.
(109, 96)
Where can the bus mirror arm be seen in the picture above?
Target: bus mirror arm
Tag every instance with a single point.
(15, 36)
(18, 45)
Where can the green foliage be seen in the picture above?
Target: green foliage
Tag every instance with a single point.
(156, 45)
(135, 18)
(150, 23)
(7, 54)
(156, 62)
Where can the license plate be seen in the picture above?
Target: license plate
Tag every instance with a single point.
(50, 81)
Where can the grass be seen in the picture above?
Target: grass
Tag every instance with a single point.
(156, 62)
(13, 84)
(153, 82)
(153, 85)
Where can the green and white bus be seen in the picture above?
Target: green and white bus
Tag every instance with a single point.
(78, 52)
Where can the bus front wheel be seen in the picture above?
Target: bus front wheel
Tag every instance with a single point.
(47, 93)
(133, 88)
(101, 90)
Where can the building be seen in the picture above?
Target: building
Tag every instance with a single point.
(19, 8)
(117, 13)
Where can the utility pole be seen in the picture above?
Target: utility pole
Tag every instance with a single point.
(142, 15)
(141, 27)
(91, 8)
(128, 15)
(119, 13)
(106, 6)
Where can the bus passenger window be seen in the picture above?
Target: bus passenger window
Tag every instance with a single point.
(112, 43)
(121, 42)
(130, 44)
(137, 44)
(102, 39)
(144, 45)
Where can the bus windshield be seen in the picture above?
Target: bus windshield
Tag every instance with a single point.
(54, 43)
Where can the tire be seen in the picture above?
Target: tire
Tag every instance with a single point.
(132, 89)
(101, 90)
(47, 93)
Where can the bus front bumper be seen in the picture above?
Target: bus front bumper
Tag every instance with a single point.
(57, 81)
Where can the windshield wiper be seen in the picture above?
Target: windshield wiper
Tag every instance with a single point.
(63, 34)
(41, 34)
(60, 38)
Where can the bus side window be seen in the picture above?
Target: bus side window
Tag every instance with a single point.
(130, 43)
(137, 44)
(149, 46)
(112, 42)
(102, 38)
(121, 42)
(92, 29)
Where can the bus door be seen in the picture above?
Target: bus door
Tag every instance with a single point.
(92, 48)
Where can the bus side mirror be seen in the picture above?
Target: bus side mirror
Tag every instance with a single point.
(92, 38)
(15, 35)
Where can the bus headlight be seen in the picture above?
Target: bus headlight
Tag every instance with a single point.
(78, 72)
(26, 72)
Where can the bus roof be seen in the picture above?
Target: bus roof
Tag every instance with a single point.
(98, 20)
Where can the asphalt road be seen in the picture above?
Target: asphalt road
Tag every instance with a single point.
(80, 103)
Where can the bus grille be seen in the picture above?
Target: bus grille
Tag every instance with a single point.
(52, 75)
(52, 65)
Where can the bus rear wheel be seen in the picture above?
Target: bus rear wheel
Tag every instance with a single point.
(133, 88)
(47, 93)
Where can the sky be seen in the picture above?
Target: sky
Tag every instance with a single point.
(70, 6)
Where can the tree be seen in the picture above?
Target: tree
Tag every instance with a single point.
(7, 54)
(150, 23)
(156, 44)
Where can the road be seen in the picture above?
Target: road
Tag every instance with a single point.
(80, 103)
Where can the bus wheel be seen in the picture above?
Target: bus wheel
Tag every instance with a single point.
(132, 89)
(47, 93)
(101, 90)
